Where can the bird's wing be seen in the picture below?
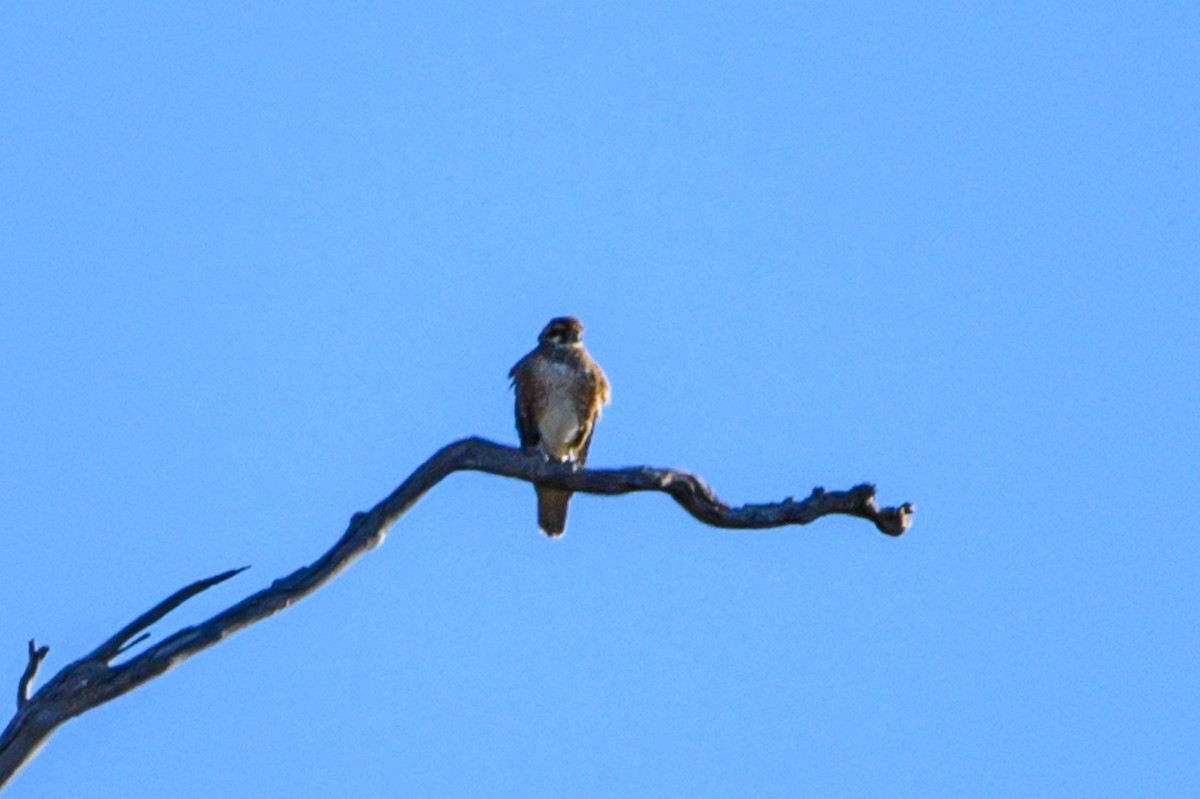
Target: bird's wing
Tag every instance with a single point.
(595, 395)
(527, 401)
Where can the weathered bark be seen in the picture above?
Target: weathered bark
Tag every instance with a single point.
(93, 679)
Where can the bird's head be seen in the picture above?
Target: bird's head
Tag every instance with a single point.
(562, 331)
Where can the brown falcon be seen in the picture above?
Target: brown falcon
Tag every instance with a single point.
(560, 391)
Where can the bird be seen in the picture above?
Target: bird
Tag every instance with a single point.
(559, 393)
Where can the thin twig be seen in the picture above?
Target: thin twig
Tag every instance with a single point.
(36, 656)
(118, 642)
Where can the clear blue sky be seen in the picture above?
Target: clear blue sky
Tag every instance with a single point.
(258, 262)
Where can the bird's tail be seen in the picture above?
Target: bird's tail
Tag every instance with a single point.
(552, 510)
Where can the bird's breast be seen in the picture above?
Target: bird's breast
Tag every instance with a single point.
(559, 423)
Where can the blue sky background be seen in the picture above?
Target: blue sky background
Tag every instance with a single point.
(257, 263)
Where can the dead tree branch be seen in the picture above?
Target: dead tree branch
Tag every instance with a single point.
(94, 679)
(36, 656)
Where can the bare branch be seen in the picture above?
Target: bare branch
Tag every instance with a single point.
(133, 643)
(36, 656)
(93, 679)
(117, 643)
